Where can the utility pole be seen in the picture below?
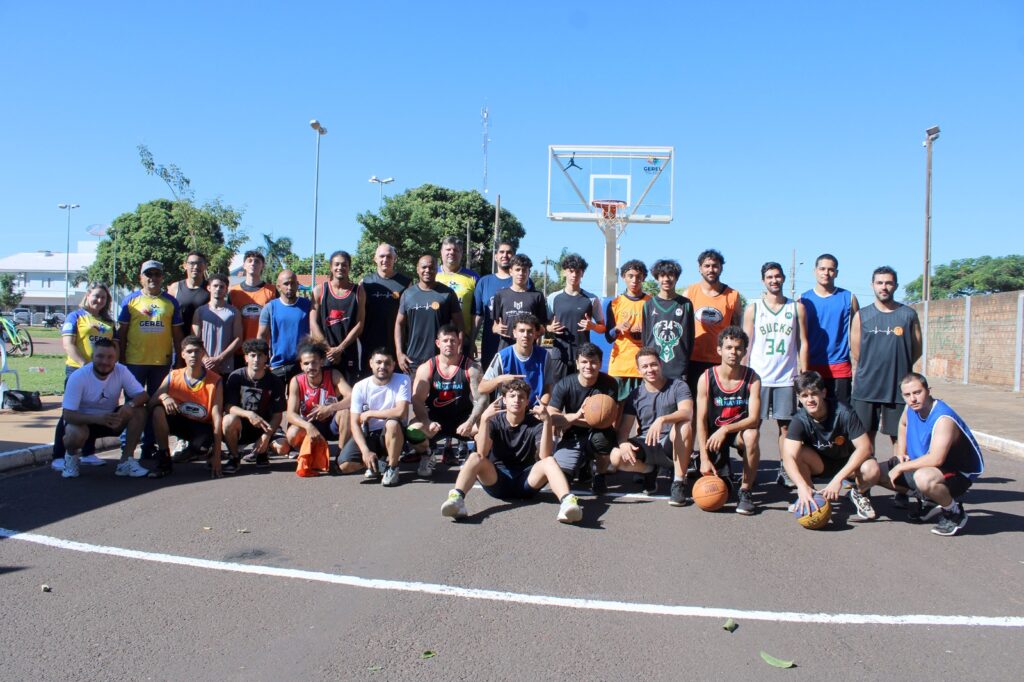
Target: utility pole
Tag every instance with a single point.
(469, 252)
(497, 230)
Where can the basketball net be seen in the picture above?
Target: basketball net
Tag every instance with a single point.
(612, 215)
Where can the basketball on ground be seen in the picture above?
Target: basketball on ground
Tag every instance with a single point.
(599, 411)
(818, 518)
(710, 493)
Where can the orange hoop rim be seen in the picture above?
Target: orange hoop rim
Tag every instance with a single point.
(609, 207)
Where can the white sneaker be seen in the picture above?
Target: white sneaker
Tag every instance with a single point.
(57, 464)
(131, 467)
(92, 461)
(426, 467)
(455, 506)
(70, 466)
(570, 510)
(390, 478)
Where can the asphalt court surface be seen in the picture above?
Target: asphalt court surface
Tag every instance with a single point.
(118, 617)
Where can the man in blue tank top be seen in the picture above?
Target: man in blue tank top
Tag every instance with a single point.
(937, 458)
(829, 312)
(524, 360)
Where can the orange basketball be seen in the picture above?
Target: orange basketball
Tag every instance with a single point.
(599, 411)
(710, 493)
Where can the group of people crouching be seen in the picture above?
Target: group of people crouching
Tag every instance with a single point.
(530, 429)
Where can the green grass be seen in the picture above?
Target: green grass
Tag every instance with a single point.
(44, 333)
(48, 382)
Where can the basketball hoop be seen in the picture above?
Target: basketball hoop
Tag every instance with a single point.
(612, 214)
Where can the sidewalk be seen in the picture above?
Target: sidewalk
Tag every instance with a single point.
(996, 416)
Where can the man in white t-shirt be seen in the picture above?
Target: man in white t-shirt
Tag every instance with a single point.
(93, 409)
(380, 404)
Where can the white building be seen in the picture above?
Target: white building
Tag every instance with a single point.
(40, 275)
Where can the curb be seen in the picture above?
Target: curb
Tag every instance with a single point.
(41, 454)
(1005, 446)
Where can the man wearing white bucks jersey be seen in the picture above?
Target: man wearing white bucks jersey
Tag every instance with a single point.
(778, 350)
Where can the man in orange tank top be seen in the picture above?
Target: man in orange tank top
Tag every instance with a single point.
(189, 405)
(625, 324)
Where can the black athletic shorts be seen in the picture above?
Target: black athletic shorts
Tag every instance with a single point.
(884, 417)
(198, 434)
(957, 483)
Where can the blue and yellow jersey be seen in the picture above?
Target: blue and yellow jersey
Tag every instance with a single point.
(85, 328)
(463, 283)
(149, 320)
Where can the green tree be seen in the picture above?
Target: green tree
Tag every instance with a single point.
(972, 276)
(276, 251)
(166, 230)
(416, 221)
(10, 296)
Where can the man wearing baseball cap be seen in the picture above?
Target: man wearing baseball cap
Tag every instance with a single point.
(149, 330)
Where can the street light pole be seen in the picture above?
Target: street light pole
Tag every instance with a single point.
(320, 132)
(931, 135)
(926, 281)
(67, 255)
(380, 183)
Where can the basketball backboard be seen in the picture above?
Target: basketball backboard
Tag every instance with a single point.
(642, 177)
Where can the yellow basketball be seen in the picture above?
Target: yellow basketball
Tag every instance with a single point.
(818, 519)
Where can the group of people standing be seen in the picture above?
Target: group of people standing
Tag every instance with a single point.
(390, 368)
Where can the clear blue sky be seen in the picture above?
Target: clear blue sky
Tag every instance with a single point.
(796, 124)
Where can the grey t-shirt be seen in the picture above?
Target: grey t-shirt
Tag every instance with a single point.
(217, 330)
(647, 406)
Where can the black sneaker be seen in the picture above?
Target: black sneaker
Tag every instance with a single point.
(599, 485)
(680, 495)
(163, 467)
(744, 503)
(693, 469)
(925, 512)
(231, 466)
(651, 482)
(951, 522)
(262, 460)
(900, 501)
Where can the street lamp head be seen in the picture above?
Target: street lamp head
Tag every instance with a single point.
(933, 131)
(315, 125)
(62, 206)
(387, 180)
(374, 178)
(67, 206)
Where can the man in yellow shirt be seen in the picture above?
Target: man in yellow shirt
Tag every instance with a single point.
(463, 282)
(149, 331)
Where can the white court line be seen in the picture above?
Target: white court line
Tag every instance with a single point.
(519, 598)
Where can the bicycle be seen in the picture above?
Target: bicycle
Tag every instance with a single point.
(17, 339)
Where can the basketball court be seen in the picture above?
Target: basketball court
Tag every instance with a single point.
(270, 576)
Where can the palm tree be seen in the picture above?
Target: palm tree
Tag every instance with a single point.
(275, 250)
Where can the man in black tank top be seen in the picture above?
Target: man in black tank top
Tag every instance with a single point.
(446, 400)
(339, 307)
(885, 342)
(191, 292)
(728, 415)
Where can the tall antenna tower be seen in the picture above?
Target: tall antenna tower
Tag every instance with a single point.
(485, 117)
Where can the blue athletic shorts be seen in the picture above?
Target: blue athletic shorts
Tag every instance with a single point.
(511, 484)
